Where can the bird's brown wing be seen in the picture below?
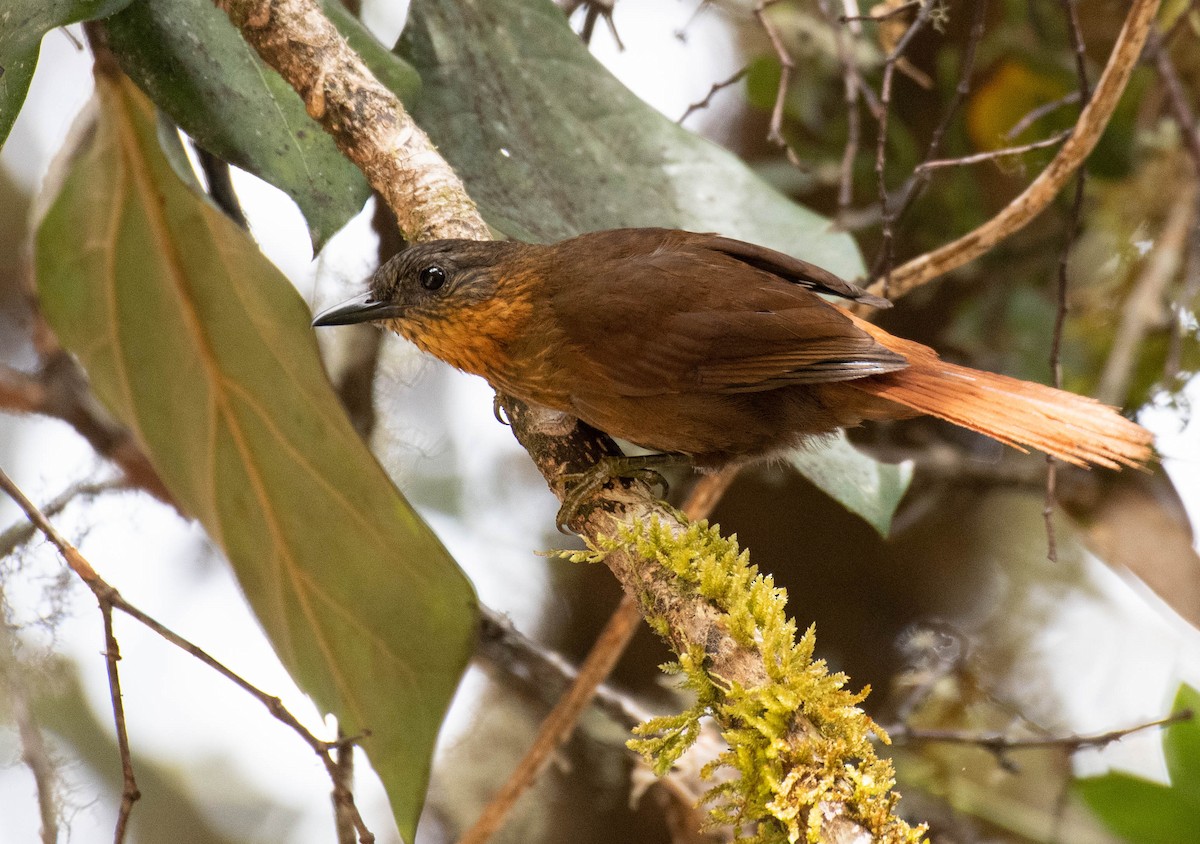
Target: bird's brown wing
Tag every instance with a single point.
(788, 268)
(691, 318)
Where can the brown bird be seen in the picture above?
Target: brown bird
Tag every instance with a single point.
(703, 346)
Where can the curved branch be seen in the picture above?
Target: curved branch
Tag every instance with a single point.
(365, 119)
(1042, 190)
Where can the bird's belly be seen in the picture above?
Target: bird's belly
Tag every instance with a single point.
(713, 428)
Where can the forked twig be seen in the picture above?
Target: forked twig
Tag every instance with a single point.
(920, 176)
(110, 599)
(1185, 115)
(992, 155)
(786, 66)
(1036, 114)
(715, 89)
(851, 85)
(1033, 200)
(883, 263)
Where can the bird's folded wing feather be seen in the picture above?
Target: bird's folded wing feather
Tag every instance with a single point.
(692, 318)
(789, 268)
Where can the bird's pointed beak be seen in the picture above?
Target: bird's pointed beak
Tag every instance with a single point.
(362, 308)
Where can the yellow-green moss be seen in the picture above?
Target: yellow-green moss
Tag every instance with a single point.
(785, 775)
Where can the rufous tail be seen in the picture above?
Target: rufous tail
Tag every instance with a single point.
(1075, 429)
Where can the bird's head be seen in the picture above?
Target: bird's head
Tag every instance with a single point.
(453, 298)
(427, 281)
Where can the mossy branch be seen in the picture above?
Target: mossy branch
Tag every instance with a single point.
(797, 738)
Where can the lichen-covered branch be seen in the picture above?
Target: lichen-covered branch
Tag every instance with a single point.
(797, 739)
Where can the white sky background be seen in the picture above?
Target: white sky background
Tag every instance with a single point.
(215, 735)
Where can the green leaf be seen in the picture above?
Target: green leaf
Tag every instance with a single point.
(196, 67)
(550, 144)
(1141, 811)
(203, 349)
(859, 483)
(22, 25)
(1181, 746)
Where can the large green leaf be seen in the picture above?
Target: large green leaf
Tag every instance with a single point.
(1146, 812)
(861, 484)
(196, 67)
(198, 344)
(22, 25)
(1141, 811)
(551, 144)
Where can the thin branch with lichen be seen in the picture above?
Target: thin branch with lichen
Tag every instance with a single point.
(799, 742)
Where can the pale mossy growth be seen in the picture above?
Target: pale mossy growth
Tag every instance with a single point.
(799, 743)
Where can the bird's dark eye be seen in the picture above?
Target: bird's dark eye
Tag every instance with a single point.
(432, 278)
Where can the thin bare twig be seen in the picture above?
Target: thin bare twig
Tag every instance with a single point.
(992, 155)
(1071, 10)
(716, 88)
(594, 10)
(786, 66)
(21, 532)
(1185, 115)
(112, 655)
(851, 83)
(544, 672)
(883, 263)
(1042, 190)
(110, 599)
(852, 11)
(1000, 743)
(560, 723)
(599, 663)
(344, 811)
(1036, 114)
(707, 492)
(220, 186)
(966, 70)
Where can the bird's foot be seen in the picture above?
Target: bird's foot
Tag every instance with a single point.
(500, 411)
(580, 486)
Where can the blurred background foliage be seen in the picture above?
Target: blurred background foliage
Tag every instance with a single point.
(956, 619)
